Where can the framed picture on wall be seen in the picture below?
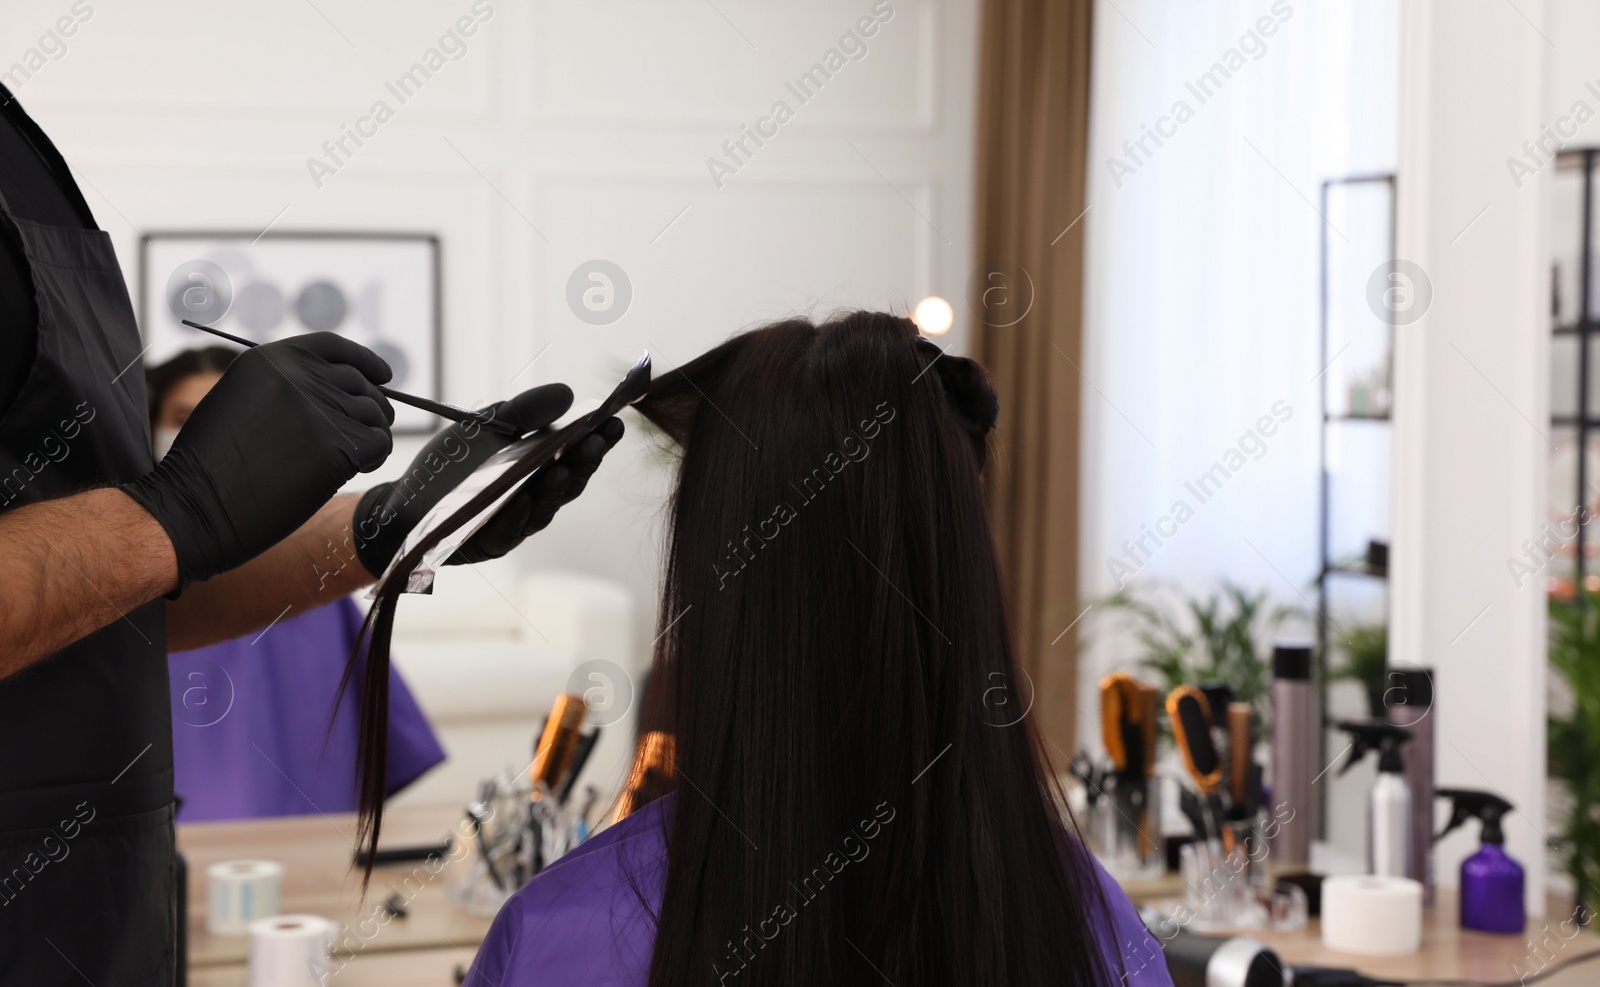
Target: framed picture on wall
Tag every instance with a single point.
(379, 289)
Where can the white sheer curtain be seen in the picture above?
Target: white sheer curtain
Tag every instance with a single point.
(1202, 282)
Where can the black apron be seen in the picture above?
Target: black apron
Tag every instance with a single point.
(87, 889)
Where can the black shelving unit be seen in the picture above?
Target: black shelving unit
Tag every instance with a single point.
(1329, 568)
(1585, 328)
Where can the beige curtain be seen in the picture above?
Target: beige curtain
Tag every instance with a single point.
(1033, 131)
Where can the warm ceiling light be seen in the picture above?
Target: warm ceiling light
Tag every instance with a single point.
(933, 316)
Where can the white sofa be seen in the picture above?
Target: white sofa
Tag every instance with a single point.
(487, 653)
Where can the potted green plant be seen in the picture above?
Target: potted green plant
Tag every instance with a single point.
(1574, 737)
(1225, 636)
(1365, 651)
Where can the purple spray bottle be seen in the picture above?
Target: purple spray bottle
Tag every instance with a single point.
(1491, 882)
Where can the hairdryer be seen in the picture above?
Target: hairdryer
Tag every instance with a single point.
(1208, 961)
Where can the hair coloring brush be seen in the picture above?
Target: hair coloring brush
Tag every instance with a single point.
(435, 407)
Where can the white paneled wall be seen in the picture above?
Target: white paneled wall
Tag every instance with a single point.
(1472, 386)
(556, 133)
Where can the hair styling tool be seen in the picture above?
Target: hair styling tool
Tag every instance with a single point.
(1218, 694)
(1205, 961)
(529, 853)
(1239, 760)
(1194, 810)
(401, 855)
(591, 797)
(1194, 960)
(557, 744)
(1128, 725)
(1083, 769)
(477, 814)
(653, 774)
(1123, 742)
(580, 757)
(1150, 701)
(1190, 714)
(438, 408)
(537, 842)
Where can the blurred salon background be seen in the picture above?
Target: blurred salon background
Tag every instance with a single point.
(1230, 418)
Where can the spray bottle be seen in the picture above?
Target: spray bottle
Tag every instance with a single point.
(1409, 702)
(1389, 809)
(1491, 881)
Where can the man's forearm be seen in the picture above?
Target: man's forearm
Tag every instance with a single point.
(71, 566)
(314, 566)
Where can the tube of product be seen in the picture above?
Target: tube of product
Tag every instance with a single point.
(1293, 736)
(1408, 702)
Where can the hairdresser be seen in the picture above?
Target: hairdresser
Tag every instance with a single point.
(107, 558)
(260, 727)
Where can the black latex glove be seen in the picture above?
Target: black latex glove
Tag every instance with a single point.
(289, 422)
(388, 512)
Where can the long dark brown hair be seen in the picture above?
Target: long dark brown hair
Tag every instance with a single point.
(851, 802)
(854, 803)
(369, 658)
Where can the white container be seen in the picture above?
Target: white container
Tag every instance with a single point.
(240, 891)
(290, 951)
(1372, 916)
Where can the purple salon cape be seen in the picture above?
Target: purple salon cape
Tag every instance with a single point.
(249, 717)
(581, 920)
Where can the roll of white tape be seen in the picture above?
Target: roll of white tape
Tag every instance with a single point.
(1372, 916)
(290, 951)
(239, 892)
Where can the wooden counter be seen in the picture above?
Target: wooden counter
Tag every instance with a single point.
(1450, 954)
(411, 968)
(315, 852)
(425, 948)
